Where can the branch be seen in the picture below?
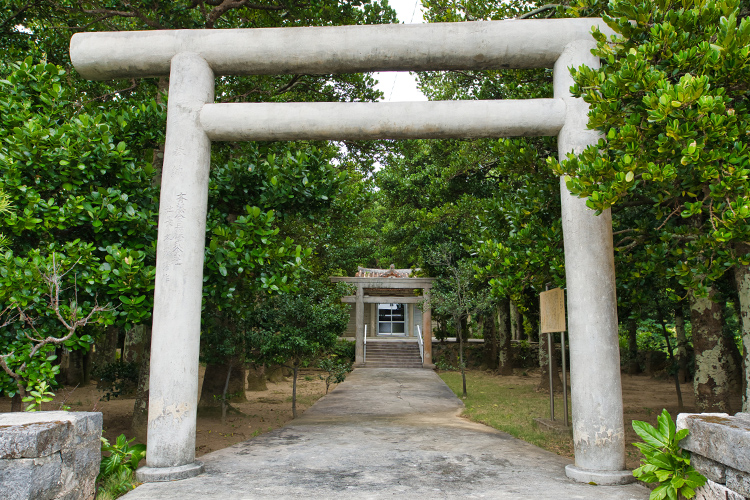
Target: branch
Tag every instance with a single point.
(133, 86)
(296, 80)
(541, 9)
(289, 86)
(228, 5)
(8, 22)
(17, 378)
(107, 13)
(10, 321)
(677, 209)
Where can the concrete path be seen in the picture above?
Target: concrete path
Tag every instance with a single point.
(384, 433)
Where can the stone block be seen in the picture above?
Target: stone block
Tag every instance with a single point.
(31, 478)
(715, 491)
(719, 437)
(49, 455)
(80, 466)
(713, 470)
(738, 481)
(23, 438)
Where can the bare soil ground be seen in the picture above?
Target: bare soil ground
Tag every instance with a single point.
(263, 411)
(645, 397)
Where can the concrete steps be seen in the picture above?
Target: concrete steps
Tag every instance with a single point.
(392, 354)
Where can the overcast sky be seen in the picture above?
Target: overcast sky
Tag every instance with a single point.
(398, 86)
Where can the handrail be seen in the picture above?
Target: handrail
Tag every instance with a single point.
(364, 353)
(421, 343)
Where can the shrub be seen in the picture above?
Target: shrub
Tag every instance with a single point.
(664, 462)
(116, 471)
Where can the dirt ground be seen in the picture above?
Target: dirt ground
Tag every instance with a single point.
(263, 411)
(643, 399)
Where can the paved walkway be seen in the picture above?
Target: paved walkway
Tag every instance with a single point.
(384, 433)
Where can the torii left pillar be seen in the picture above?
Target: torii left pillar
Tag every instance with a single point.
(173, 385)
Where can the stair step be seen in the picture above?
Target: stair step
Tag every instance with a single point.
(392, 355)
(392, 365)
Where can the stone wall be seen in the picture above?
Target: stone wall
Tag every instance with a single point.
(49, 455)
(720, 447)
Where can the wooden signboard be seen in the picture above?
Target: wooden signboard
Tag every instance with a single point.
(552, 310)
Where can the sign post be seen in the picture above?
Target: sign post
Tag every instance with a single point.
(552, 311)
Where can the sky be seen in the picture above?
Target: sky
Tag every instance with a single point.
(401, 86)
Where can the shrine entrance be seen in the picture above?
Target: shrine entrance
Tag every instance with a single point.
(194, 58)
(391, 295)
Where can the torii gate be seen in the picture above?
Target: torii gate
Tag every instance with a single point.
(194, 58)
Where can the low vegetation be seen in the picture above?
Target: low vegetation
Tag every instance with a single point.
(510, 407)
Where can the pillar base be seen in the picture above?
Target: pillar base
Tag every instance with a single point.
(429, 366)
(599, 477)
(159, 474)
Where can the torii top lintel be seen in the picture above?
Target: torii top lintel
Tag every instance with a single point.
(475, 45)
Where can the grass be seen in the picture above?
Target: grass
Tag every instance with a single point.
(510, 404)
(115, 485)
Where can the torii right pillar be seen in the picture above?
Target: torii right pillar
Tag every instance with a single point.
(596, 390)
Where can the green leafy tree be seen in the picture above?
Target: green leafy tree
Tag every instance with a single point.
(295, 330)
(455, 295)
(269, 203)
(40, 314)
(670, 101)
(495, 196)
(78, 196)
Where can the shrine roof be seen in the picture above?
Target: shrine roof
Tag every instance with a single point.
(374, 278)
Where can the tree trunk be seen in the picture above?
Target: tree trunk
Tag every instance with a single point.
(214, 380)
(490, 352)
(294, 391)
(742, 282)
(275, 374)
(461, 363)
(711, 382)
(532, 315)
(224, 398)
(139, 422)
(256, 378)
(106, 347)
(672, 360)
(71, 367)
(505, 362)
(633, 366)
(87, 362)
(135, 344)
(16, 402)
(734, 363)
(516, 322)
(682, 344)
(544, 365)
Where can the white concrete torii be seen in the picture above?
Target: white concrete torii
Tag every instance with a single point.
(194, 58)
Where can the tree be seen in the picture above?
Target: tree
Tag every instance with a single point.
(454, 296)
(251, 247)
(295, 330)
(518, 238)
(670, 100)
(29, 342)
(66, 172)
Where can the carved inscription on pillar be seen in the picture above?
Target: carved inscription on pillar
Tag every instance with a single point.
(175, 237)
